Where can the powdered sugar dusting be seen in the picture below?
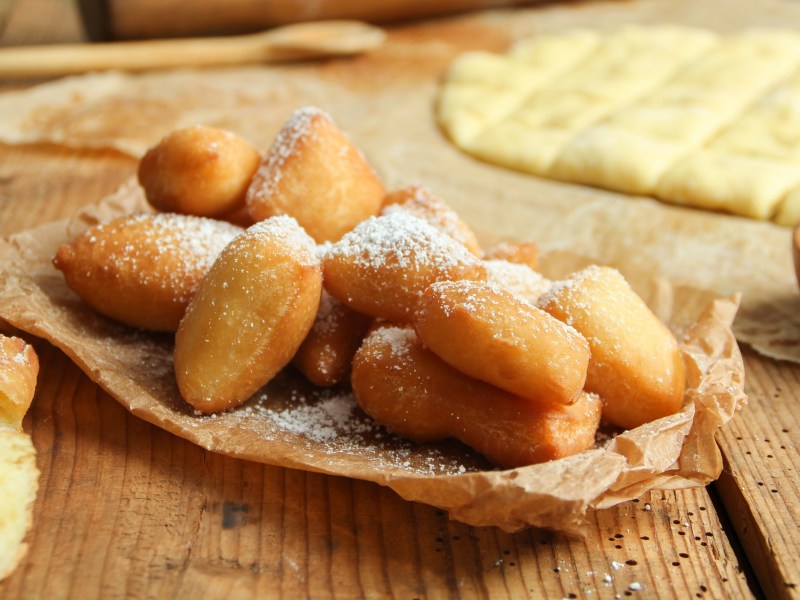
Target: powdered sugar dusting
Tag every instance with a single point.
(326, 321)
(421, 202)
(398, 339)
(165, 249)
(323, 421)
(14, 351)
(517, 278)
(329, 422)
(579, 295)
(285, 229)
(575, 284)
(269, 174)
(400, 240)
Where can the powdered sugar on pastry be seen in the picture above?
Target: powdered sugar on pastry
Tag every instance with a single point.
(403, 239)
(517, 278)
(143, 269)
(421, 202)
(382, 267)
(270, 172)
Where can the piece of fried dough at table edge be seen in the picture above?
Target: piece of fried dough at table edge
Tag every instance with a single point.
(411, 391)
(325, 356)
(19, 367)
(495, 336)
(636, 365)
(250, 315)
(382, 267)
(202, 171)
(143, 269)
(423, 203)
(314, 173)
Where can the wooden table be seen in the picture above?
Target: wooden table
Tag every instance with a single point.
(128, 510)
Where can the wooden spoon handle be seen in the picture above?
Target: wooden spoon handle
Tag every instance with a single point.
(292, 42)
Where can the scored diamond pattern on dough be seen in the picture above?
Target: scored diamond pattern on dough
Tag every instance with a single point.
(681, 114)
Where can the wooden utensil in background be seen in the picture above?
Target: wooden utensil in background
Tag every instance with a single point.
(139, 19)
(291, 42)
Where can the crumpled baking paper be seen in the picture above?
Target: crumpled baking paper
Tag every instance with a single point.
(291, 424)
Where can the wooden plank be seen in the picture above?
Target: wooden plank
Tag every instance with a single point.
(126, 509)
(761, 482)
(44, 183)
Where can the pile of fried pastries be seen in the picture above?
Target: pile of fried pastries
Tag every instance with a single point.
(301, 257)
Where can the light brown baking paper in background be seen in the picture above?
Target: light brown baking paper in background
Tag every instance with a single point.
(385, 103)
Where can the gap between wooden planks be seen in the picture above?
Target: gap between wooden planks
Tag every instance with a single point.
(759, 486)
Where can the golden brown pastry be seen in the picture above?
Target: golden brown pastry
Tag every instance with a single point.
(19, 368)
(492, 335)
(199, 170)
(326, 354)
(250, 315)
(143, 270)
(524, 253)
(314, 173)
(636, 366)
(411, 391)
(517, 278)
(421, 202)
(382, 267)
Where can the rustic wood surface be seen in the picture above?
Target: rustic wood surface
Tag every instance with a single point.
(128, 510)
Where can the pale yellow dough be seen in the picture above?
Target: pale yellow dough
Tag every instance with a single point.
(18, 486)
(480, 87)
(683, 114)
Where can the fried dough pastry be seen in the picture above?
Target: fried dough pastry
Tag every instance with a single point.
(411, 391)
(517, 278)
(250, 315)
(382, 267)
(19, 367)
(18, 486)
(326, 354)
(636, 366)
(492, 335)
(524, 253)
(421, 202)
(314, 173)
(199, 170)
(142, 270)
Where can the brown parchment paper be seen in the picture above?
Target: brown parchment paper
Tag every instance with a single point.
(291, 424)
(385, 101)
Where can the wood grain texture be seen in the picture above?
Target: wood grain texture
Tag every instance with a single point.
(760, 485)
(128, 510)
